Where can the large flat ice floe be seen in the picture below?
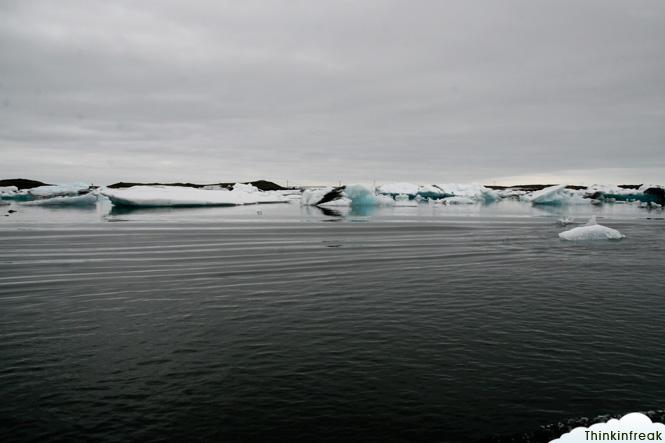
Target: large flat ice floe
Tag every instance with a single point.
(166, 196)
(591, 231)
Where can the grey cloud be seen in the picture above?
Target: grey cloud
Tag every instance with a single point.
(317, 92)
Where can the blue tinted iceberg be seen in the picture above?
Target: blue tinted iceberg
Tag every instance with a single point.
(345, 196)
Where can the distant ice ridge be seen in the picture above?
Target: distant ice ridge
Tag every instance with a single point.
(591, 231)
(166, 196)
(471, 191)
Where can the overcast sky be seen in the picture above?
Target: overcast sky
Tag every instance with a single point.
(321, 91)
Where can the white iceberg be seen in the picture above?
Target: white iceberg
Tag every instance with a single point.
(342, 202)
(556, 195)
(89, 199)
(472, 191)
(398, 188)
(311, 197)
(611, 190)
(8, 191)
(245, 187)
(437, 191)
(68, 189)
(165, 196)
(591, 231)
(459, 201)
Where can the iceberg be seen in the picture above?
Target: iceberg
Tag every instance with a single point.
(439, 191)
(472, 191)
(394, 189)
(89, 199)
(318, 196)
(426, 192)
(8, 191)
(591, 231)
(69, 189)
(459, 201)
(362, 196)
(355, 196)
(245, 187)
(173, 196)
(555, 195)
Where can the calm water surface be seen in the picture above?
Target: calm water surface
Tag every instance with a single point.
(405, 324)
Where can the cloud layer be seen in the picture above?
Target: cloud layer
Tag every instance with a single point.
(317, 92)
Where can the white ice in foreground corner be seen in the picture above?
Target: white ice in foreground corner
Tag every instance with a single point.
(591, 231)
(627, 428)
(164, 196)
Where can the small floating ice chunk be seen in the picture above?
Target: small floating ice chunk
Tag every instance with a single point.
(591, 231)
(565, 221)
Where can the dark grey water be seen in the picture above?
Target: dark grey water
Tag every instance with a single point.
(438, 328)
